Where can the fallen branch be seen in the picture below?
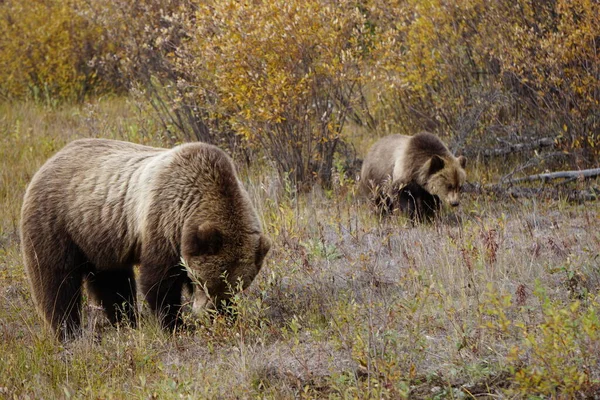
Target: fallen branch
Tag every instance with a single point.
(585, 173)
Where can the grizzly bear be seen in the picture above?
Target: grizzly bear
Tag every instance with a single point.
(412, 173)
(99, 207)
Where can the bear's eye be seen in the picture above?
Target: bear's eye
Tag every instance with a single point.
(449, 186)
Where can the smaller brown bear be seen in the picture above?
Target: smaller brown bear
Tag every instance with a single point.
(412, 173)
(99, 207)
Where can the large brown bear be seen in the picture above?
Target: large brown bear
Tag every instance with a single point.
(99, 207)
(412, 173)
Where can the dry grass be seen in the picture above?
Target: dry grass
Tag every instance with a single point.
(497, 299)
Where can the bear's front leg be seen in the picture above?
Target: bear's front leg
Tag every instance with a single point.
(115, 291)
(162, 289)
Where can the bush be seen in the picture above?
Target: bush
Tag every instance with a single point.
(555, 355)
(429, 68)
(286, 77)
(48, 51)
(478, 70)
(551, 48)
(147, 35)
(283, 74)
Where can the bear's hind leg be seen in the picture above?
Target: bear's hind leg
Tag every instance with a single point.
(409, 203)
(115, 291)
(56, 273)
(63, 311)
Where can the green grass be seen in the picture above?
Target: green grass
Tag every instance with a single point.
(498, 299)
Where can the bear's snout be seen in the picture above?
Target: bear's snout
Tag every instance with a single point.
(453, 199)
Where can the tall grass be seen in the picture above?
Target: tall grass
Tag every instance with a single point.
(498, 298)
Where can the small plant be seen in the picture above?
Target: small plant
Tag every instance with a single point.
(553, 356)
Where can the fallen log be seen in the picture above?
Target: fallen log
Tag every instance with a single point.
(584, 173)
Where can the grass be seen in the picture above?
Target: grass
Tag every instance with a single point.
(498, 299)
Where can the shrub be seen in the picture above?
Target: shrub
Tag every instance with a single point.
(551, 50)
(478, 70)
(554, 356)
(147, 35)
(286, 77)
(48, 49)
(428, 68)
(283, 74)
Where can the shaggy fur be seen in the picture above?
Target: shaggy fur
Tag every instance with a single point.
(99, 207)
(413, 173)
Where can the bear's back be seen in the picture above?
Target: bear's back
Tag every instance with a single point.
(111, 196)
(381, 158)
(415, 153)
(90, 190)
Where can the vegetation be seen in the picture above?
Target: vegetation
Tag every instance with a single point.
(283, 79)
(497, 298)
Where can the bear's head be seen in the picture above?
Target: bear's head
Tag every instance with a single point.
(444, 177)
(222, 260)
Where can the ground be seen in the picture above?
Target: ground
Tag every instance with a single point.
(498, 298)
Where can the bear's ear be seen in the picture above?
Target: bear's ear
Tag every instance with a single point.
(210, 239)
(462, 160)
(436, 163)
(206, 240)
(264, 244)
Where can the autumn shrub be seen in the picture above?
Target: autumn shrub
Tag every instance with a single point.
(550, 50)
(49, 51)
(428, 69)
(481, 71)
(283, 74)
(148, 35)
(294, 81)
(278, 77)
(286, 78)
(553, 355)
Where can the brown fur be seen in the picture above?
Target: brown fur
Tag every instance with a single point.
(420, 164)
(99, 207)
